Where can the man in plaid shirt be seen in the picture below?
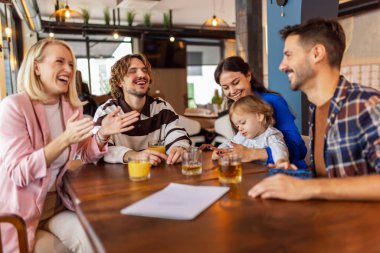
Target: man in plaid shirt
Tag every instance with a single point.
(344, 120)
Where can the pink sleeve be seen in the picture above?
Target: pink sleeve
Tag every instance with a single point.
(88, 149)
(23, 161)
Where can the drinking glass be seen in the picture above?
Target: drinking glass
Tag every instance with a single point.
(192, 161)
(158, 145)
(139, 167)
(230, 169)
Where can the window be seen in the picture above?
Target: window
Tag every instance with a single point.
(201, 63)
(103, 52)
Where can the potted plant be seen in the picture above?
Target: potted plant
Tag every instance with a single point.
(167, 20)
(130, 17)
(147, 17)
(107, 15)
(85, 15)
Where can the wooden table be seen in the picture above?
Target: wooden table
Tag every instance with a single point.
(235, 223)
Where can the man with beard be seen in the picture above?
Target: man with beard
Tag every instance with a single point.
(344, 120)
(130, 80)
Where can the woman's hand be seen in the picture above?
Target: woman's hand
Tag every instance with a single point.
(283, 164)
(77, 130)
(114, 123)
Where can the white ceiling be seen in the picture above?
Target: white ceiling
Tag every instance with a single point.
(184, 12)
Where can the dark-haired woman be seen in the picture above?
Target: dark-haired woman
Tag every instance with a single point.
(234, 75)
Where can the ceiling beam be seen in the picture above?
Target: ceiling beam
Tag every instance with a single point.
(135, 31)
(357, 6)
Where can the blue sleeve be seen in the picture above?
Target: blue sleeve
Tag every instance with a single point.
(270, 156)
(285, 123)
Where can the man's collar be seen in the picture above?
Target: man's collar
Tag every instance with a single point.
(341, 90)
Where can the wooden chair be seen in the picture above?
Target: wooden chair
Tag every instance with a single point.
(20, 225)
(193, 128)
(224, 130)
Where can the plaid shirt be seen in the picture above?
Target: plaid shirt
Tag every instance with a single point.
(352, 136)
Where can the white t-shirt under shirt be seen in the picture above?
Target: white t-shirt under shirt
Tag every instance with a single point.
(272, 138)
(54, 117)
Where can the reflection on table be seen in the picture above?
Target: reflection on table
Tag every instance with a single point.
(235, 223)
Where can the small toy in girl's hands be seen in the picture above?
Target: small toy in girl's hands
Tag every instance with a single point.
(304, 174)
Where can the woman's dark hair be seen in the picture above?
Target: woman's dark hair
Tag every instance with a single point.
(237, 64)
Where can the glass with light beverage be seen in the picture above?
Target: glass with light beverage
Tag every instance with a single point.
(139, 167)
(158, 145)
(230, 169)
(192, 161)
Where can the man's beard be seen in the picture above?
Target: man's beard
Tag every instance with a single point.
(302, 77)
(136, 93)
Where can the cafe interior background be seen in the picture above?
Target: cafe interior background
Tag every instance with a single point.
(178, 38)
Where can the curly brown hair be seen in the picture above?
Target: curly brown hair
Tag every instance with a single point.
(120, 69)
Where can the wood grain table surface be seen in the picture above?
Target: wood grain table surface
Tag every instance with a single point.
(234, 223)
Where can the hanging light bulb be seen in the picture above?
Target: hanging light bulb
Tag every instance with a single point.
(115, 35)
(215, 22)
(171, 38)
(8, 33)
(7, 30)
(51, 35)
(67, 12)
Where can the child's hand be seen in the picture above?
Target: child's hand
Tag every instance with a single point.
(242, 151)
(215, 155)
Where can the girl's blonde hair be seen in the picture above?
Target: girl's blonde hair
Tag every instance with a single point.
(254, 104)
(30, 83)
(120, 69)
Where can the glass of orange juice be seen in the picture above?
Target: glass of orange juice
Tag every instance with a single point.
(158, 145)
(139, 167)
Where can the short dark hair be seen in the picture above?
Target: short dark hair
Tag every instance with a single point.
(327, 32)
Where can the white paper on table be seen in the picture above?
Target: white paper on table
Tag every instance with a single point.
(177, 201)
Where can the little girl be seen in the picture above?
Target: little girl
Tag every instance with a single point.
(252, 118)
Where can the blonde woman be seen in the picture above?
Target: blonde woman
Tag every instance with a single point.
(41, 129)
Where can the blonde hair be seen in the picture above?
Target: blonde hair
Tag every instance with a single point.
(30, 83)
(254, 104)
(120, 69)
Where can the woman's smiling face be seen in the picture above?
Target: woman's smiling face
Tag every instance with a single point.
(235, 85)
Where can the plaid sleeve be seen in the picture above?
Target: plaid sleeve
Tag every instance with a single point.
(372, 132)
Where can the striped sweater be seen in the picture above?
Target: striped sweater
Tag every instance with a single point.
(158, 120)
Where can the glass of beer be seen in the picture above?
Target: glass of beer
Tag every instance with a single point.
(139, 167)
(158, 145)
(192, 161)
(230, 169)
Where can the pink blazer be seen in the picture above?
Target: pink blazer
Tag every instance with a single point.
(24, 175)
